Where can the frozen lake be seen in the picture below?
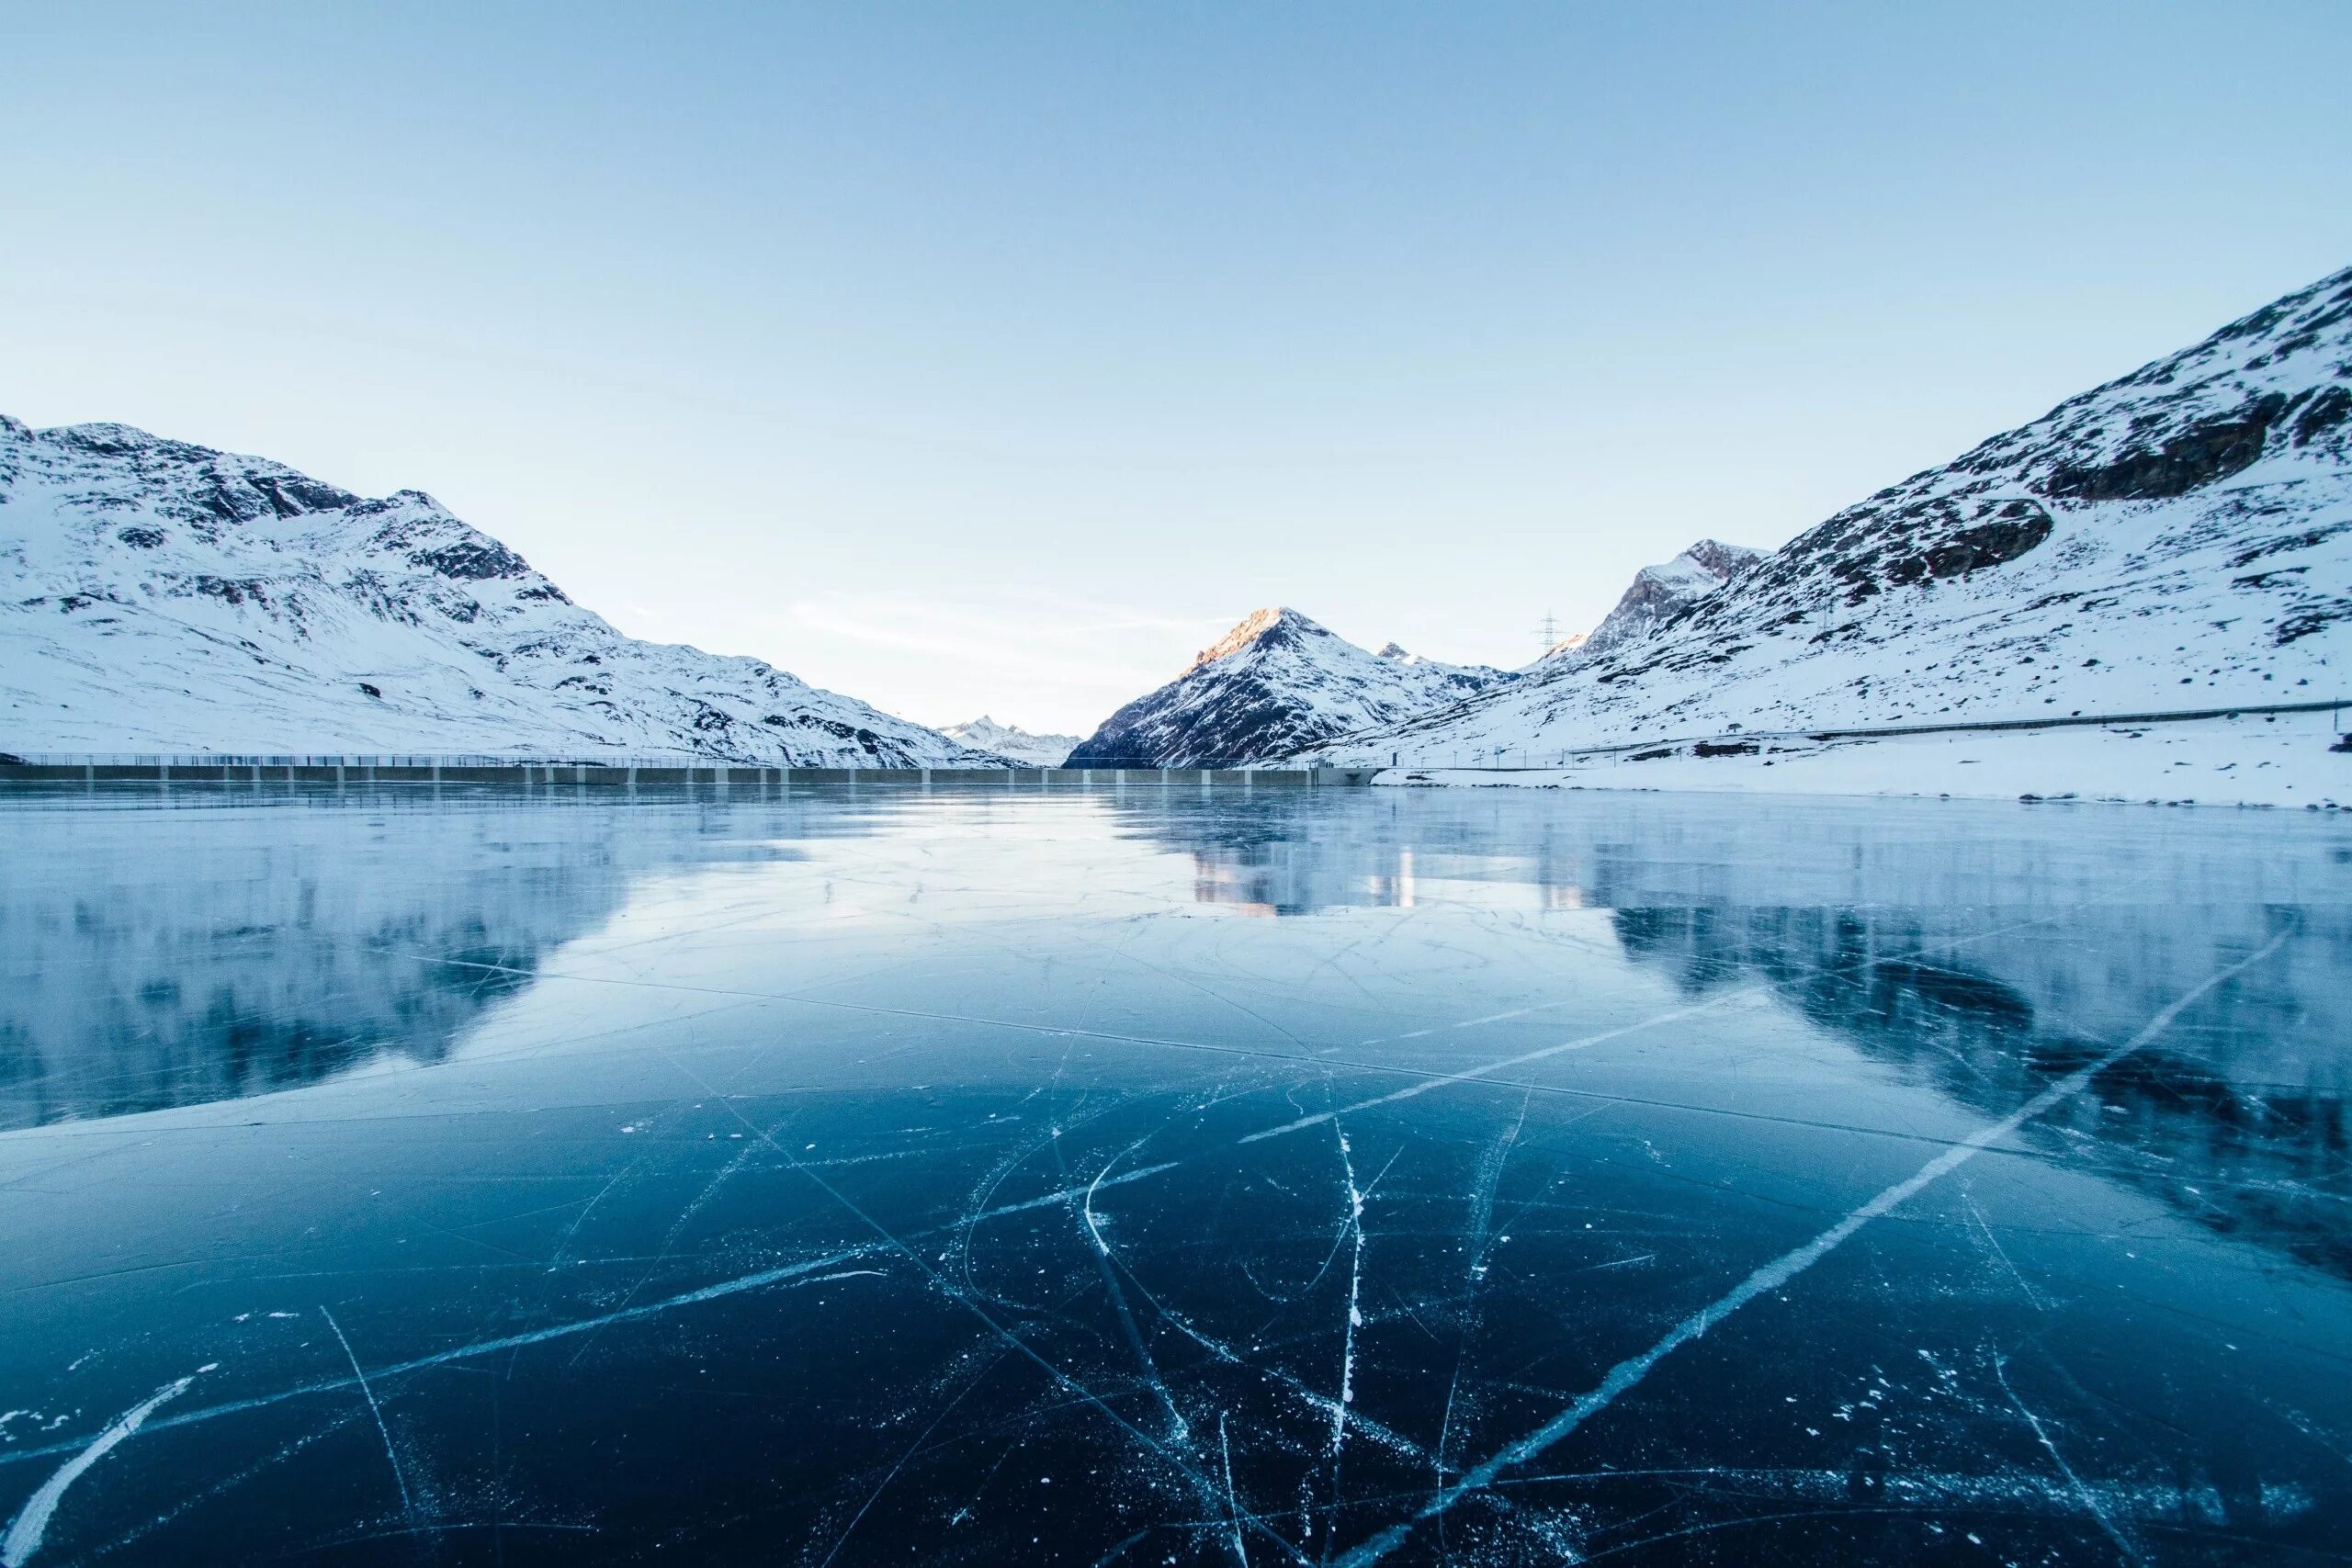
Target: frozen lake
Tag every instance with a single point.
(992, 1176)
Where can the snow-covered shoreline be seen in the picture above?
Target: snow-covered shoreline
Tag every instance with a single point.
(2274, 760)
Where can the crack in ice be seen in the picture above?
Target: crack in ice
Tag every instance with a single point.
(399, 1477)
(1629, 1372)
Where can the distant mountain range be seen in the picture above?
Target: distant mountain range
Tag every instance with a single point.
(1273, 685)
(1278, 683)
(2177, 539)
(163, 597)
(985, 734)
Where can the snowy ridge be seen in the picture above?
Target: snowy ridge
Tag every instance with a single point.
(1658, 595)
(158, 596)
(2178, 539)
(1275, 683)
(1010, 741)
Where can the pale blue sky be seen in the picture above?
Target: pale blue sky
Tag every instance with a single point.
(996, 356)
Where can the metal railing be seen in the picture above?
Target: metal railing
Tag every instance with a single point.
(96, 767)
(391, 760)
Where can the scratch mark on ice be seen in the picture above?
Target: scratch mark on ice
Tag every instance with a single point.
(1426, 1081)
(24, 1536)
(1120, 1550)
(884, 1485)
(1175, 1457)
(1054, 1199)
(399, 1478)
(2082, 1493)
(1473, 1075)
(1355, 1300)
(1629, 1372)
(1179, 1430)
(1232, 1508)
(793, 1272)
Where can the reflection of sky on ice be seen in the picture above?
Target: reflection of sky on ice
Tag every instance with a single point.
(984, 1175)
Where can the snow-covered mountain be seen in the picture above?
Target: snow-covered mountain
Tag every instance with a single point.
(1657, 594)
(1010, 741)
(158, 596)
(1273, 684)
(2177, 539)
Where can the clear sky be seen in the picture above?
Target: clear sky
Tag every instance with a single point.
(996, 356)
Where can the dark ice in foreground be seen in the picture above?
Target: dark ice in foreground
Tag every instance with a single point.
(1144, 1175)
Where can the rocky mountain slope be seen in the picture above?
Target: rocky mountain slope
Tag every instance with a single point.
(2179, 538)
(1276, 683)
(1659, 593)
(158, 596)
(1012, 742)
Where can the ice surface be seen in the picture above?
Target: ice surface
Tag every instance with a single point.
(1044, 1175)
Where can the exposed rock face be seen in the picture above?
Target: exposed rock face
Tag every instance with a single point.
(1721, 560)
(2179, 539)
(1012, 742)
(1276, 683)
(158, 596)
(2206, 450)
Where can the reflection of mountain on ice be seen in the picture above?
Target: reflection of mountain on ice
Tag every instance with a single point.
(230, 950)
(2240, 1122)
(2051, 873)
(1986, 961)
(164, 958)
